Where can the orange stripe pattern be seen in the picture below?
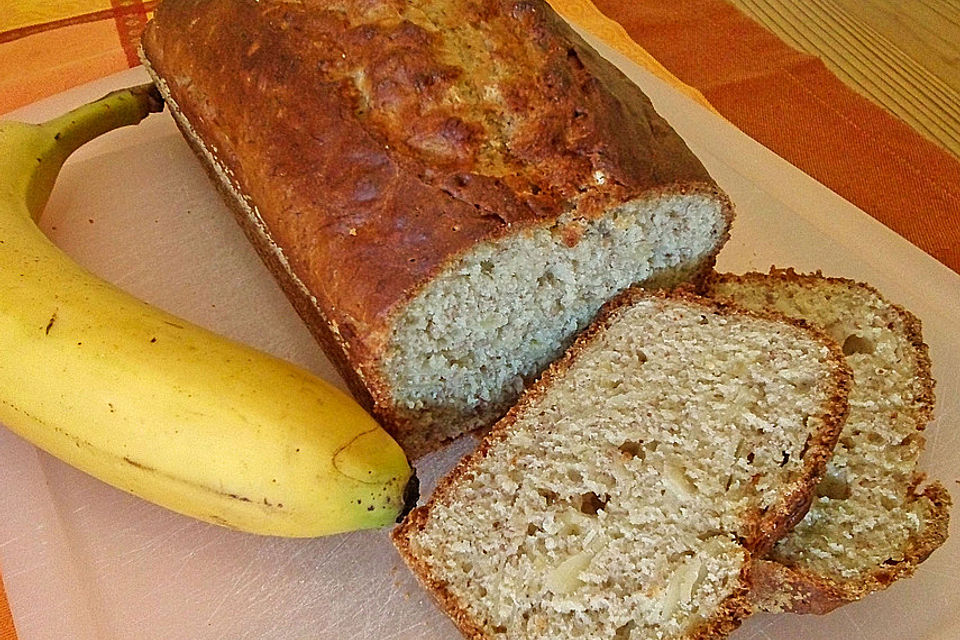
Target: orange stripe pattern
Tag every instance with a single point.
(791, 103)
(116, 10)
(25, 78)
(130, 16)
(7, 632)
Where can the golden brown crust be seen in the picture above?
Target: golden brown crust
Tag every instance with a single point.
(296, 293)
(760, 530)
(358, 179)
(779, 587)
(794, 589)
(438, 588)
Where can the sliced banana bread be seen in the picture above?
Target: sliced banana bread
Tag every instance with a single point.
(447, 190)
(872, 521)
(627, 492)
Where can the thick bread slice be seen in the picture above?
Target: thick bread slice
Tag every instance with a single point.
(447, 190)
(872, 521)
(627, 492)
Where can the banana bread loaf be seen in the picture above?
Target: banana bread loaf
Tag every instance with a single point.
(873, 520)
(627, 492)
(447, 190)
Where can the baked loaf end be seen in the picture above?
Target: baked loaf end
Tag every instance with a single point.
(447, 190)
(872, 521)
(626, 493)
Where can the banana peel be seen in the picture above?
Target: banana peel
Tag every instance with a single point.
(155, 405)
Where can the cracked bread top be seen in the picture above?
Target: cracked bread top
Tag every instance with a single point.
(377, 139)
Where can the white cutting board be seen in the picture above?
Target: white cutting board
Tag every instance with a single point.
(83, 561)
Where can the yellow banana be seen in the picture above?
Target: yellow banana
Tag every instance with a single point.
(154, 405)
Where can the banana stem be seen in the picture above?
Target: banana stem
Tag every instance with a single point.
(66, 133)
(116, 109)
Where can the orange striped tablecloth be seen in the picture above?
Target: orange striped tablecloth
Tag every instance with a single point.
(6, 620)
(48, 46)
(791, 103)
(786, 100)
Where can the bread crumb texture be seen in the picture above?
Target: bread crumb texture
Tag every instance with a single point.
(614, 500)
(462, 350)
(867, 508)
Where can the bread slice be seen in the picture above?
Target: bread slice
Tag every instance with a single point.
(447, 190)
(872, 521)
(627, 492)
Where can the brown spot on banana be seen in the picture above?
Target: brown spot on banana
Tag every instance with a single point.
(346, 445)
(53, 318)
(233, 496)
(138, 465)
